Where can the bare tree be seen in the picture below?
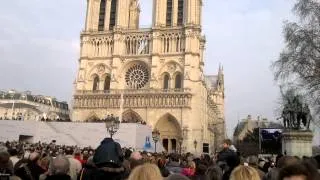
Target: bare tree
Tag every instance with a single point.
(299, 62)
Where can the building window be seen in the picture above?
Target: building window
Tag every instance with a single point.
(205, 148)
(107, 82)
(102, 15)
(169, 13)
(178, 81)
(113, 14)
(166, 80)
(137, 76)
(180, 12)
(95, 83)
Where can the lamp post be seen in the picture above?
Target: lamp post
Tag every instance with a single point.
(155, 137)
(112, 124)
(180, 143)
(195, 143)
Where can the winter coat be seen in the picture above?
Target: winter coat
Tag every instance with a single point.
(109, 152)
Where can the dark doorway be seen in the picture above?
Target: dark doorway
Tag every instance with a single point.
(165, 144)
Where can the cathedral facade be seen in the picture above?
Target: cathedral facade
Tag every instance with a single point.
(153, 75)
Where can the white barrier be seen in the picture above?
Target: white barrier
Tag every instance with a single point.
(80, 134)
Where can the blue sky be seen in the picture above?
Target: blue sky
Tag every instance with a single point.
(39, 48)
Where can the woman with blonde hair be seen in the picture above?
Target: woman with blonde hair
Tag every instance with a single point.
(244, 172)
(146, 172)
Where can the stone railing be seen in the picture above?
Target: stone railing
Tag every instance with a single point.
(132, 42)
(138, 43)
(133, 91)
(133, 99)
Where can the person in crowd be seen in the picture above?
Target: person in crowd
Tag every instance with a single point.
(177, 177)
(88, 170)
(77, 156)
(146, 172)
(282, 162)
(44, 163)
(31, 170)
(59, 169)
(200, 173)
(75, 165)
(162, 167)
(214, 173)
(225, 153)
(174, 164)
(244, 173)
(14, 156)
(6, 166)
(108, 159)
(295, 172)
(253, 161)
(190, 170)
(232, 162)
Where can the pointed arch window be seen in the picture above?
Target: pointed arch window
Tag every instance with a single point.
(95, 83)
(102, 15)
(166, 80)
(178, 81)
(180, 12)
(169, 13)
(107, 82)
(113, 14)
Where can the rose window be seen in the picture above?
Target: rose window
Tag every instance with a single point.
(137, 76)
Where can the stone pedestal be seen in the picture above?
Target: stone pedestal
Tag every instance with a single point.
(297, 143)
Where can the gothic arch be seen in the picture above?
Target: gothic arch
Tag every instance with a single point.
(131, 116)
(170, 132)
(99, 69)
(95, 83)
(171, 67)
(92, 117)
(166, 80)
(178, 80)
(106, 78)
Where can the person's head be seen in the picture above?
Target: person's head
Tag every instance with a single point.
(134, 163)
(192, 165)
(227, 143)
(253, 161)
(294, 172)
(60, 165)
(214, 173)
(13, 152)
(244, 172)
(44, 163)
(136, 155)
(161, 162)
(177, 177)
(201, 169)
(287, 161)
(146, 172)
(4, 159)
(174, 158)
(69, 151)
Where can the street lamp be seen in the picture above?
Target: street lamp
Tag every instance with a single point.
(180, 143)
(112, 124)
(155, 137)
(195, 143)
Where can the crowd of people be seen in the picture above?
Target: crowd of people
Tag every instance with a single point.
(41, 161)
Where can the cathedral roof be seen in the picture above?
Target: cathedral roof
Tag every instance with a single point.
(27, 96)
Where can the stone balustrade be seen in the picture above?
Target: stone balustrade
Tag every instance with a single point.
(132, 42)
(133, 98)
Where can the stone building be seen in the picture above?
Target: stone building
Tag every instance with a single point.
(25, 106)
(154, 75)
(249, 124)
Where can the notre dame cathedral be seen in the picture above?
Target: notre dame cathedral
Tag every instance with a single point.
(153, 75)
